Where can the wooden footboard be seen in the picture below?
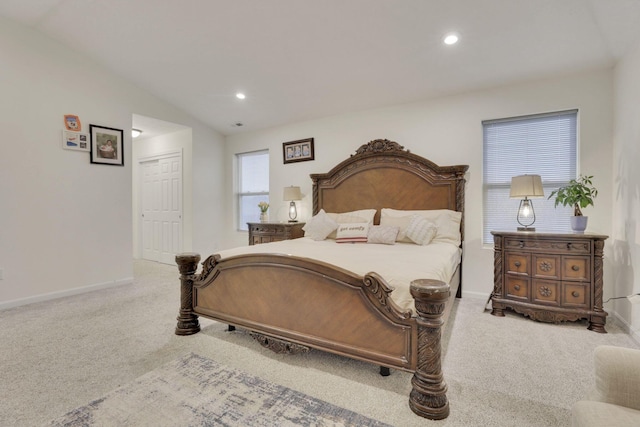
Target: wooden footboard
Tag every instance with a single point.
(315, 304)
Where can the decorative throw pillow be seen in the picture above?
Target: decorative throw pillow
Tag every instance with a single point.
(401, 222)
(420, 230)
(352, 232)
(383, 235)
(447, 221)
(319, 226)
(363, 215)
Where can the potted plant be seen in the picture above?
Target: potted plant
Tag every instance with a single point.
(579, 193)
(264, 215)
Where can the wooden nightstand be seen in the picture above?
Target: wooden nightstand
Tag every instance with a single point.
(265, 232)
(549, 277)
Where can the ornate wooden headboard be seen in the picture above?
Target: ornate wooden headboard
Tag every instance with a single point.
(382, 174)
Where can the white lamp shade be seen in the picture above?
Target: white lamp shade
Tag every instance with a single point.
(292, 193)
(526, 186)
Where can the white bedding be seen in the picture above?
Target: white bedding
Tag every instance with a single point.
(398, 264)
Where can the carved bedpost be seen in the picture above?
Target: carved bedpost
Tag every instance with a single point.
(460, 187)
(428, 397)
(187, 321)
(460, 181)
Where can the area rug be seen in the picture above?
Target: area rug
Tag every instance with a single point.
(196, 391)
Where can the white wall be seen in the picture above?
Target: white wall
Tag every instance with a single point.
(626, 188)
(66, 224)
(446, 131)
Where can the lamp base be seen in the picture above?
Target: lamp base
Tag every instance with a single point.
(526, 229)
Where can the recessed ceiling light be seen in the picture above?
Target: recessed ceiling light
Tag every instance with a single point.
(451, 39)
(240, 95)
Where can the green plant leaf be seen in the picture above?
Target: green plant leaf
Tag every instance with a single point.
(579, 193)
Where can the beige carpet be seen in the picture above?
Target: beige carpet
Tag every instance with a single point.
(510, 371)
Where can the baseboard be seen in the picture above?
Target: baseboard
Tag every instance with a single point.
(475, 295)
(60, 294)
(626, 327)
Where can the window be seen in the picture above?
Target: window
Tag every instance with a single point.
(253, 185)
(543, 144)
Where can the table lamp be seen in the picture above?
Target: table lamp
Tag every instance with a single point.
(527, 186)
(291, 194)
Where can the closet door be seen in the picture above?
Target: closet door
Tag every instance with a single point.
(161, 209)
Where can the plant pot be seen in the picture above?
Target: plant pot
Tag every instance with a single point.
(264, 217)
(579, 223)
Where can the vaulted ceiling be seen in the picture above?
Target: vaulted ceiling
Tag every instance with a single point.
(303, 59)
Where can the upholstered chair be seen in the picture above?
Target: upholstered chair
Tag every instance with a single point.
(615, 401)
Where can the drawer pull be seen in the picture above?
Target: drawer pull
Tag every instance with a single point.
(575, 268)
(516, 287)
(568, 246)
(521, 244)
(575, 294)
(517, 264)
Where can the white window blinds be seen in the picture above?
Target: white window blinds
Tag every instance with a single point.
(253, 185)
(543, 144)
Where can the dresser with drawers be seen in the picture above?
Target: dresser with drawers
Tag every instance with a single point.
(549, 277)
(265, 232)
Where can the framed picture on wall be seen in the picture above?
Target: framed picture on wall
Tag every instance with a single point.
(297, 151)
(75, 141)
(106, 145)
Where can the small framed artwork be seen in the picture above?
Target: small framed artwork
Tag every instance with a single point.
(297, 151)
(75, 141)
(72, 122)
(106, 145)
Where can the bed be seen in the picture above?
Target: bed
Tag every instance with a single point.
(291, 302)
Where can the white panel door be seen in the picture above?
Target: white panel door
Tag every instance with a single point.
(162, 209)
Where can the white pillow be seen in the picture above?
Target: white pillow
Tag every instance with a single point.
(319, 226)
(352, 232)
(383, 235)
(363, 215)
(420, 230)
(447, 221)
